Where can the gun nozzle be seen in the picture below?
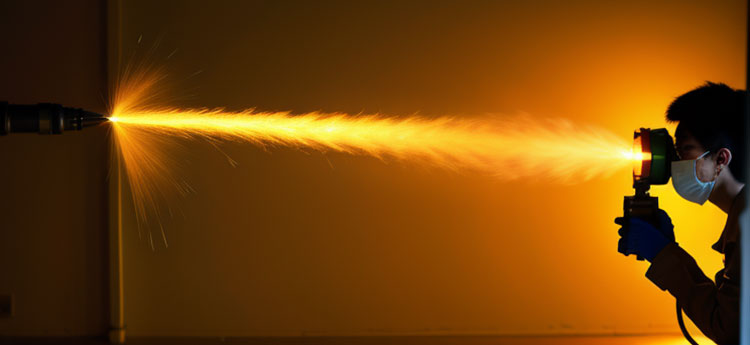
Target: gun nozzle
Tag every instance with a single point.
(640, 167)
(45, 118)
(92, 120)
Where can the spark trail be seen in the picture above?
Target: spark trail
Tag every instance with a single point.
(507, 148)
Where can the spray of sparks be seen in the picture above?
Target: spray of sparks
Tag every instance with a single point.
(507, 148)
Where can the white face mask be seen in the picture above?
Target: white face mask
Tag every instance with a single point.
(687, 184)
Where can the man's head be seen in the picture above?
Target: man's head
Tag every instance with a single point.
(711, 119)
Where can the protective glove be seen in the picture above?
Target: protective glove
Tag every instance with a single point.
(641, 238)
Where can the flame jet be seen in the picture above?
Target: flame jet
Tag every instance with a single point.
(506, 148)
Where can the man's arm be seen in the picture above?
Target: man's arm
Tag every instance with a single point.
(714, 308)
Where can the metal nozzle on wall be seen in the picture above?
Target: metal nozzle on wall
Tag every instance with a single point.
(45, 118)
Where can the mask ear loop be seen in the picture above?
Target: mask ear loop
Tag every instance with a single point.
(696, 167)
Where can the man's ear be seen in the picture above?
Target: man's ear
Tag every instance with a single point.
(723, 158)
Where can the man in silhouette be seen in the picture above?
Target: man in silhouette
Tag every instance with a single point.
(709, 140)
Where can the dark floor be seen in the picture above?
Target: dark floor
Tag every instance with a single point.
(406, 340)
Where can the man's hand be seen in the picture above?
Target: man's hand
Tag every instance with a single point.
(641, 238)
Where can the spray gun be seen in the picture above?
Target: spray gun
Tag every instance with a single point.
(656, 151)
(45, 118)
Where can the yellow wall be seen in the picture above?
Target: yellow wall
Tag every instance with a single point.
(304, 243)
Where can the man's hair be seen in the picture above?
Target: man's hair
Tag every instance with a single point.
(714, 114)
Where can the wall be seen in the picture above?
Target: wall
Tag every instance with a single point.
(304, 243)
(53, 205)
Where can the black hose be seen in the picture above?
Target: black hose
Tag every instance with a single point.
(682, 326)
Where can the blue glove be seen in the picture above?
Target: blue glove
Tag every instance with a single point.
(641, 238)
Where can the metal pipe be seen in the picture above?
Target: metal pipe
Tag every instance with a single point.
(745, 216)
(116, 289)
(117, 326)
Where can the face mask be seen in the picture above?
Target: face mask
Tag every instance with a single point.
(687, 184)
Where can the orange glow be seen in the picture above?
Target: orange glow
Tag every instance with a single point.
(506, 148)
(285, 244)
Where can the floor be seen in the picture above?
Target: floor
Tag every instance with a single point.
(415, 340)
